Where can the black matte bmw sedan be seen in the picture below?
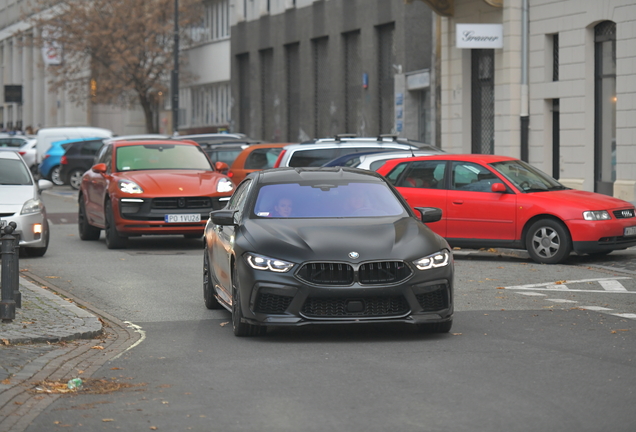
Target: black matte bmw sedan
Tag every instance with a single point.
(298, 246)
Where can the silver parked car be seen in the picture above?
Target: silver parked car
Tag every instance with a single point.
(20, 203)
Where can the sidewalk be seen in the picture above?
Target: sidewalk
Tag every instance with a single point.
(47, 317)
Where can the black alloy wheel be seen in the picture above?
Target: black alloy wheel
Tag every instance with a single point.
(113, 239)
(208, 284)
(548, 241)
(75, 178)
(86, 230)
(240, 327)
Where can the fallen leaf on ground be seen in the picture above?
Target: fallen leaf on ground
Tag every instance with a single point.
(52, 277)
(6, 342)
(456, 334)
(501, 288)
(97, 347)
(223, 324)
(616, 331)
(561, 282)
(108, 420)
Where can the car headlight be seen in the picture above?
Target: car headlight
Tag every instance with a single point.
(438, 259)
(224, 185)
(130, 187)
(260, 262)
(32, 206)
(596, 215)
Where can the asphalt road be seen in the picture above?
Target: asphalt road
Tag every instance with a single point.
(533, 347)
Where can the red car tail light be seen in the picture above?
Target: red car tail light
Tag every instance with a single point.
(63, 161)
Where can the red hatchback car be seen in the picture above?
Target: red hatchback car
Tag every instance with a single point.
(498, 201)
(149, 187)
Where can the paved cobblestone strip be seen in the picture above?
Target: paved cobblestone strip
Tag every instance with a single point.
(18, 407)
(46, 317)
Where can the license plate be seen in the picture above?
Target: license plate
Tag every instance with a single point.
(630, 231)
(183, 218)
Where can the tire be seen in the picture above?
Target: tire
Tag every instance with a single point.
(39, 252)
(208, 284)
(86, 230)
(548, 241)
(113, 239)
(75, 178)
(56, 178)
(240, 327)
(441, 327)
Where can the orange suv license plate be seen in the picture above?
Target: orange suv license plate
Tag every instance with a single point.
(182, 218)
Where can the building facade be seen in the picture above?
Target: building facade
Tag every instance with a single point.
(204, 98)
(305, 69)
(560, 92)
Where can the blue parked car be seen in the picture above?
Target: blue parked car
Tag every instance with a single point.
(50, 165)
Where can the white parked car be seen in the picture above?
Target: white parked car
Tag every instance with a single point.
(318, 152)
(20, 202)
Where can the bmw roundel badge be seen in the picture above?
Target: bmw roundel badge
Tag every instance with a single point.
(354, 255)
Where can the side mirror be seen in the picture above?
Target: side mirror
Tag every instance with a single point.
(100, 168)
(221, 167)
(44, 184)
(429, 214)
(498, 187)
(223, 217)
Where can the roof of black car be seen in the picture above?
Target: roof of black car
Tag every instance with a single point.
(286, 175)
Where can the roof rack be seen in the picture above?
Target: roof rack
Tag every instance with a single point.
(392, 136)
(339, 137)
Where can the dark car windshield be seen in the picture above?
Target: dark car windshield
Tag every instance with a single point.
(14, 172)
(327, 200)
(161, 157)
(526, 177)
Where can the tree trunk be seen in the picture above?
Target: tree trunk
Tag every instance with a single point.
(146, 104)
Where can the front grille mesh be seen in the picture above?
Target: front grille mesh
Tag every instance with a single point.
(624, 214)
(434, 300)
(327, 273)
(182, 203)
(383, 272)
(338, 307)
(272, 303)
(373, 273)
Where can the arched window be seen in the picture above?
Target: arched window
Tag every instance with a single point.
(605, 107)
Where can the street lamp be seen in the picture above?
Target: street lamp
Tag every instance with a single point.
(175, 72)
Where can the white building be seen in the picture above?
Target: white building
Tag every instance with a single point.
(560, 92)
(204, 101)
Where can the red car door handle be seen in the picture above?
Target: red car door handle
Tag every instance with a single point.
(458, 202)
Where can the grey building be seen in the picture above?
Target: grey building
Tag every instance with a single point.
(313, 68)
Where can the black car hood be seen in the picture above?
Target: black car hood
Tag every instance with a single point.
(299, 240)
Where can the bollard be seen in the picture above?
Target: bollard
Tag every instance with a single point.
(17, 295)
(7, 303)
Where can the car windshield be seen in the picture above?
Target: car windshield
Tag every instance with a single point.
(327, 200)
(14, 172)
(526, 177)
(161, 157)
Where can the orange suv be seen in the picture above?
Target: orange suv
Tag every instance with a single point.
(142, 187)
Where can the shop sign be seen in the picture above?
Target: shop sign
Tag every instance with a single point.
(479, 35)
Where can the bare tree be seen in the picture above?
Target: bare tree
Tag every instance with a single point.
(114, 51)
